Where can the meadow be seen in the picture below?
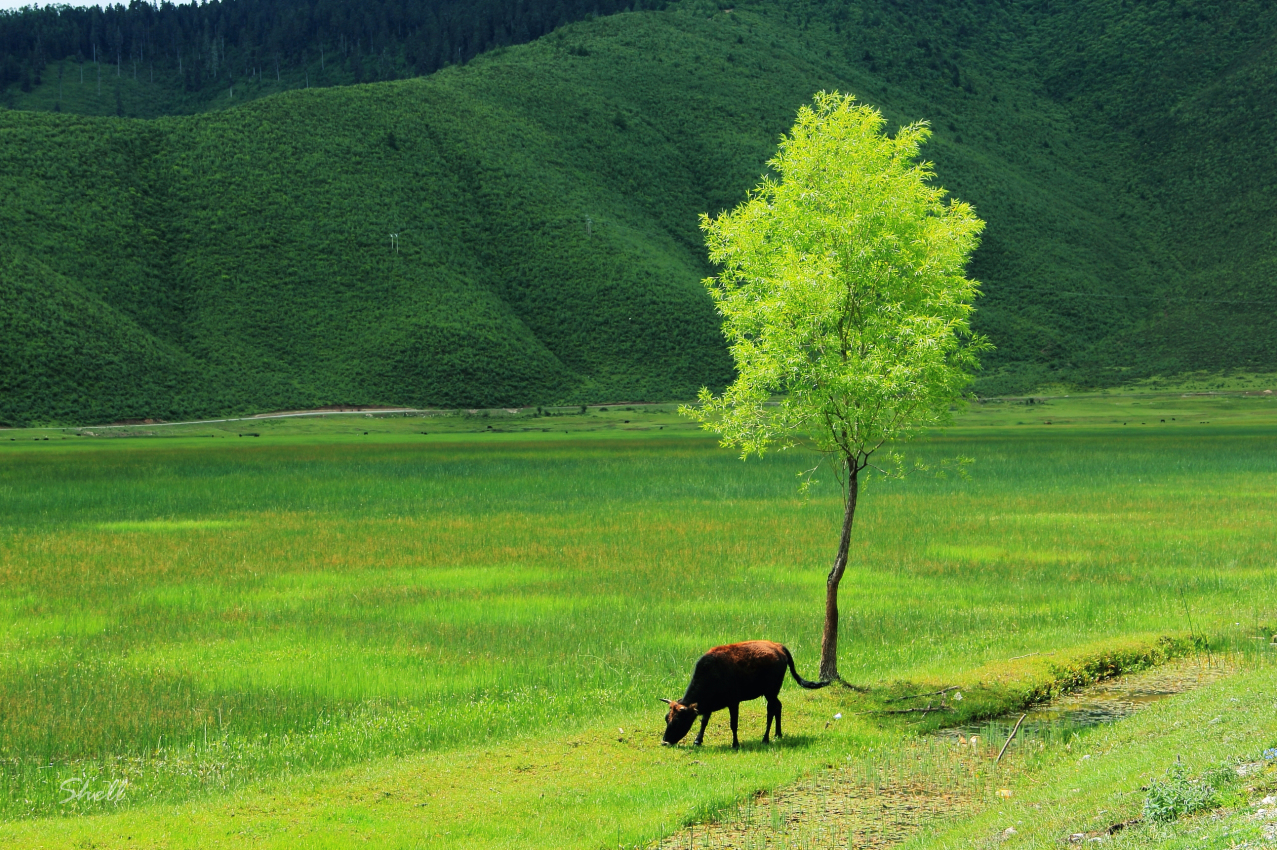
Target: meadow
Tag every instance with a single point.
(203, 618)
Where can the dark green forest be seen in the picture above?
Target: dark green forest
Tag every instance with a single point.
(229, 249)
(185, 58)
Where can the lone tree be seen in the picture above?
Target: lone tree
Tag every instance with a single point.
(845, 303)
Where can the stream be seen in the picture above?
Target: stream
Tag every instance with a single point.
(1103, 702)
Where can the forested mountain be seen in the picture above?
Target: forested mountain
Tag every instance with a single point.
(183, 58)
(546, 196)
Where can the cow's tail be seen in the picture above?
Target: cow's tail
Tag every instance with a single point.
(799, 679)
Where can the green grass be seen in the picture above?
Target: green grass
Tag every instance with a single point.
(242, 616)
(1106, 778)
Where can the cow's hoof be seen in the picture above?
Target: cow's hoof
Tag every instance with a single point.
(666, 744)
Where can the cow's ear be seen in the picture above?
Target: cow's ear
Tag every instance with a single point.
(666, 701)
(693, 706)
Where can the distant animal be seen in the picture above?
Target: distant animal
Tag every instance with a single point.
(725, 677)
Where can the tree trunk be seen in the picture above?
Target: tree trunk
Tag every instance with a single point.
(829, 642)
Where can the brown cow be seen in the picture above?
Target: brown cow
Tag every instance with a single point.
(725, 677)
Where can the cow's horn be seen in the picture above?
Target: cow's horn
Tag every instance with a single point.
(666, 701)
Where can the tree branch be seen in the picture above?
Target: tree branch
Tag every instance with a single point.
(931, 694)
(927, 710)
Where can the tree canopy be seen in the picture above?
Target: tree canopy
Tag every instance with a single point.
(843, 291)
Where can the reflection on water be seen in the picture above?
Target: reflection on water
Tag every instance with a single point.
(1104, 702)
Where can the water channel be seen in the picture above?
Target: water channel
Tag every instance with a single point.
(1103, 702)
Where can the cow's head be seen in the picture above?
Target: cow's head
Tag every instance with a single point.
(678, 722)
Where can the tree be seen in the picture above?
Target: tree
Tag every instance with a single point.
(845, 304)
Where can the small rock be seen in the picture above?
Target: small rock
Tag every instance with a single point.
(1077, 837)
(1009, 831)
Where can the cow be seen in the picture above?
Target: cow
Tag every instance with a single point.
(725, 677)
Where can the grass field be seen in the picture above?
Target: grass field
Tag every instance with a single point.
(319, 634)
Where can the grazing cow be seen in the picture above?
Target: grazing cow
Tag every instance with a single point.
(725, 677)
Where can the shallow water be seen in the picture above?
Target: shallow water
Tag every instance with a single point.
(1103, 702)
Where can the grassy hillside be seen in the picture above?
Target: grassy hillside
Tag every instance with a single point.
(546, 198)
(1182, 95)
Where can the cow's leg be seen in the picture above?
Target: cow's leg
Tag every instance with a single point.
(734, 711)
(773, 710)
(700, 736)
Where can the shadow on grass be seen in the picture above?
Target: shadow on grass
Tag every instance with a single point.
(789, 742)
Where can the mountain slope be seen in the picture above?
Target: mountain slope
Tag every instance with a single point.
(1183, 95)
(546, 199)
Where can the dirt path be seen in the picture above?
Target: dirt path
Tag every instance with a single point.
(871, 803)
